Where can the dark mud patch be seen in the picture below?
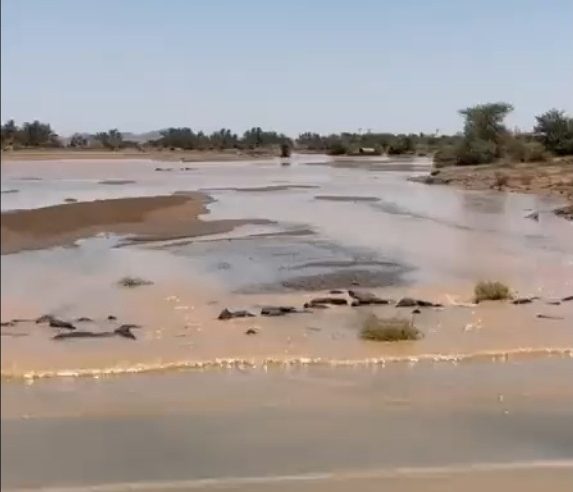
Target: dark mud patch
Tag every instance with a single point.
(338, 279)
(116, 182)
(261, 189)
(344, 279)
(565, 212)
(347, 198)
(30, 178)
(7, 192)
(345, 264)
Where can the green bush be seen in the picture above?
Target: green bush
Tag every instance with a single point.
(520, 151)
(446, 156)
(565, 147)
(491, 291)
(476, 151)
(337, 148)
(401, 145)
(388, 329)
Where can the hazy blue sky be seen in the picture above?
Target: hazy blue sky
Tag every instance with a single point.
(293, 65)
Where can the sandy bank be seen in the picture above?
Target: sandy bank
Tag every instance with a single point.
(161, 155)
(554, 178)
(142, 218)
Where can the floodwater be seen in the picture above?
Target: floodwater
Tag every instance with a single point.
(304, 404)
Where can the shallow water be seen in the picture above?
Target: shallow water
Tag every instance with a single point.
(482, 401)
(188, 427)
(413, 239)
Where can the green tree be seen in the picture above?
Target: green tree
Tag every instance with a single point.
(556, 130)
(311, 141)
(257, 137)
(37, 134)
(224, 139)
(111, 139)
(9, 133)
(178, 138)
(486, 122)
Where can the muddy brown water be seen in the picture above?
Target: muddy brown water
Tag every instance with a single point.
(305, 395)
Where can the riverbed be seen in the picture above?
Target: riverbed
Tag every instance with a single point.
(303, 401)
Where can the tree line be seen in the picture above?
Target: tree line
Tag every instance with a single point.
(484, 139)
(38, 135)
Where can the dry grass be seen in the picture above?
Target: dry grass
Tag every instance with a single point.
(501, 180)
(388, 329)
(491, 291)
(133, 282)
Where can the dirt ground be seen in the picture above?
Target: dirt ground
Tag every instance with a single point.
(162, 155)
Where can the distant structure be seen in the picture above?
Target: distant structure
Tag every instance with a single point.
(367, 151)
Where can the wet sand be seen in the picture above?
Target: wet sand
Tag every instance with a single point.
(144, 218)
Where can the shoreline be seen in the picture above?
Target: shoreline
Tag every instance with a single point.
(554, 178)
(154, 155)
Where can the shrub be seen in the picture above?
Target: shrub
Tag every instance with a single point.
(521, 151)
(388, 329)
(475, 151)
(491, 291)
(401, 145)
(565, 147)
(337, 148)
(446, 156)
(133, 282)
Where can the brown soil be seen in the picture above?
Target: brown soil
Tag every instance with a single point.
(143, 218)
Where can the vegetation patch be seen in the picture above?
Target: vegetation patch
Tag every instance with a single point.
(388, 329)
(133, 282)
(491, 291)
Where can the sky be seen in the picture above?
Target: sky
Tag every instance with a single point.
(288, 65)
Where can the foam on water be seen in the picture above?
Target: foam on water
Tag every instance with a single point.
(270, 362)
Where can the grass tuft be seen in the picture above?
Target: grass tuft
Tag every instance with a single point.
(133, 282)
(491, 291)
(388, 329)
